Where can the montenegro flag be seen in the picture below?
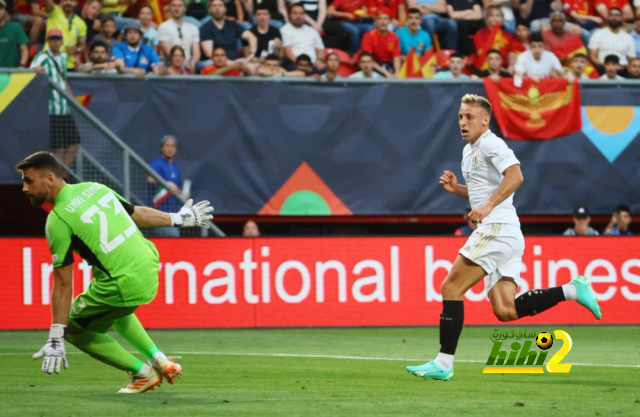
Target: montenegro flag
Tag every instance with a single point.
(535, 111)
(419, 66)
(569, 48)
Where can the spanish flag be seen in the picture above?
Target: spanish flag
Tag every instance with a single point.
(495, 38)
(535, 111)
(158, 11)
(84, 100)
(419, 66)
(567, 49)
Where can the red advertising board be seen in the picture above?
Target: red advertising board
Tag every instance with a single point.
(283, 282)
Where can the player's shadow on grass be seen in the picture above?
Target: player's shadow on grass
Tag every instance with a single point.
(154, 399)
(603, 383)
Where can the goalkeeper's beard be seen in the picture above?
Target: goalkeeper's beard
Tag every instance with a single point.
(35, 200)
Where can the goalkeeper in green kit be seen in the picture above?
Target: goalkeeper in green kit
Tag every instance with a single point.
(102, 227)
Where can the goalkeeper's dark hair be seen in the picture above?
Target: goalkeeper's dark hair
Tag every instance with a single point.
(42, 161)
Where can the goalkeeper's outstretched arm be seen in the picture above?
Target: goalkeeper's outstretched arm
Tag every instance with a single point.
(189, 215)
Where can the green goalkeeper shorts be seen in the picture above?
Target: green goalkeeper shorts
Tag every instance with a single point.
(89, 313)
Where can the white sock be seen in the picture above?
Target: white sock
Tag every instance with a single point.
(444, 360)
(158, 355)
(570, 292)
(144, 372)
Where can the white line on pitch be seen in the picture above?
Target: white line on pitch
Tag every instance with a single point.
(311, 355)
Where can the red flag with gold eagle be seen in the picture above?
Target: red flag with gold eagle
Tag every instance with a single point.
(535, 111)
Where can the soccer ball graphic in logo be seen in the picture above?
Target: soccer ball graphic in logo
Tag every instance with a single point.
(544, 340)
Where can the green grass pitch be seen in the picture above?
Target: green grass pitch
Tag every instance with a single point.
(330, 372)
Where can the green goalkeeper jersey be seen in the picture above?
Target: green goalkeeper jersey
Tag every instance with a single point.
(94, 221)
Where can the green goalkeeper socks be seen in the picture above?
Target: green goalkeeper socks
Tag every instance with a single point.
(105, 349)
(130, 328)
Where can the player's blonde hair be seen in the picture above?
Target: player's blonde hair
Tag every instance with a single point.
(478, 101)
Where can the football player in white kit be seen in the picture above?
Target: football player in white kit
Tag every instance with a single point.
(494, 250)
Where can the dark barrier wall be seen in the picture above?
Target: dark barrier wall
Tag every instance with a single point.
(376, 148)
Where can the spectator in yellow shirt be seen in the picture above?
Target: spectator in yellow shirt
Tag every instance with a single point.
(72, 26)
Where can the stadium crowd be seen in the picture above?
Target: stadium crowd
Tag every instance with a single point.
(331, 39)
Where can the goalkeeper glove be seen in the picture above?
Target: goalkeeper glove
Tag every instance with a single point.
(53, 351)
(192, 215)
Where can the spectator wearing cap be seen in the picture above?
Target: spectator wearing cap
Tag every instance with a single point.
(383, 45)
(538, 63)
(63, 134)
(72, 26)
(13, 41)
(611, 68)
(164, 199)
(620, 222)
(581, 220)
(299, 39)
(456, 64)
(133, 56)
(469, 228)
(175, 31)
(611, 39)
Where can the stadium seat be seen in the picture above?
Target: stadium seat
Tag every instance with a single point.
(343, 56)
(442, 57)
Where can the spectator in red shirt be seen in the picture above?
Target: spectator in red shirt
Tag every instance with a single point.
(343, 12)
(556, 34)
(603, 6)
(383, 45)
(581, 13)
(222, 66)
(397, 10)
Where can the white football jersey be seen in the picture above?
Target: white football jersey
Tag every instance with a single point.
(482, 166)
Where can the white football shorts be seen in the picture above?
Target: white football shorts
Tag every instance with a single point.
(498, 249)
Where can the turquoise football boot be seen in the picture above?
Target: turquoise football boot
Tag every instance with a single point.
(431, 370)
(586, 296)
